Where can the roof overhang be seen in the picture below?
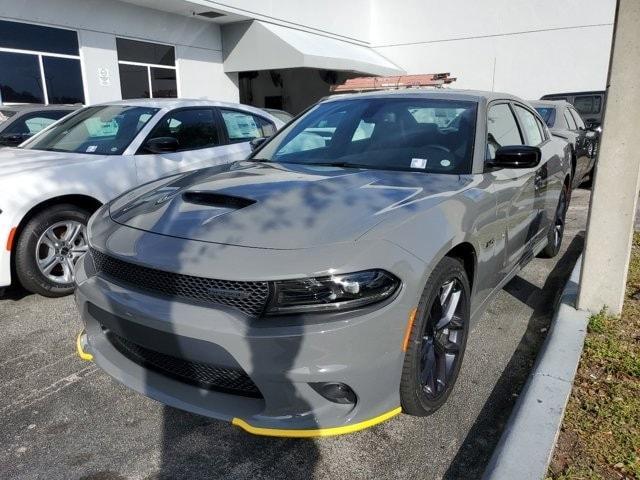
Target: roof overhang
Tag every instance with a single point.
(258, 45)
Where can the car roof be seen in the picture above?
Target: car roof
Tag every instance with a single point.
(38, 107)
(573, 94)
(549, 103)
(440, 93)
(180, 103)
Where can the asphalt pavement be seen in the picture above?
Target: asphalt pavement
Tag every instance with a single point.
(62, 418)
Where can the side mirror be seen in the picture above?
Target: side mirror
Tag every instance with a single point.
(161, 145)
(517, 156)
(256, 142)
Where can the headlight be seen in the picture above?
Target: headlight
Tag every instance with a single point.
(334, 293)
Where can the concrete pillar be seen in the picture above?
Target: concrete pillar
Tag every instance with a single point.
(615, 189)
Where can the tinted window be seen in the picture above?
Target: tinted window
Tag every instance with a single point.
(163, 83)
(548, 114)
(570, 121)
(502, 129)
(588, 104)
(577, 118)
(242, 127)
(134, 81)
(380, 133)
(64, 80)
(34, 122)
(104, 130)
(20, 78)
(529, 125)
(24, 36)
(193, 128)
(145, 52)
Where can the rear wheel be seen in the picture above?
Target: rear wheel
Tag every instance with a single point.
(437, 340)
(556, 231)
(48, 248)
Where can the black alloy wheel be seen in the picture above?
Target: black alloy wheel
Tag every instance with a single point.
(437, 341)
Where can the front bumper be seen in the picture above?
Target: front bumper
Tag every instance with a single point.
(362, 350)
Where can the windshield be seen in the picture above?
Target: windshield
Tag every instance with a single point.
(548, 114)
(425, 135)
(100, 130)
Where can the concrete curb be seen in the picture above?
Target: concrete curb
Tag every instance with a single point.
(526, 446)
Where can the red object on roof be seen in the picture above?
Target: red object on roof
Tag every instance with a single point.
(363, 84)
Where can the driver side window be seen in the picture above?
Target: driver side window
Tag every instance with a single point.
(502, 129)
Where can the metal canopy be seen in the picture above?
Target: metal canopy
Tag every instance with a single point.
(263, 46)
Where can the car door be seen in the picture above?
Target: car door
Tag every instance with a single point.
(536, 135)
(584, 162)
(514, 188)
(196, 141)
(201, 139)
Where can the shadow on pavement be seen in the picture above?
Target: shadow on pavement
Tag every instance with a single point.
(477, 447)
(198, 447)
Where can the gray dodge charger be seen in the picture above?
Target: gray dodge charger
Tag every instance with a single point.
(329, 281)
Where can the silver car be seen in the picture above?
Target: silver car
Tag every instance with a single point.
(321, 287)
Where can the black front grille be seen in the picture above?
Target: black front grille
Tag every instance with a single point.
(203, 375)
(248, 297)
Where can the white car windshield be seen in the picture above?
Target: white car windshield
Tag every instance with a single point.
(99, 130)
(414, 134)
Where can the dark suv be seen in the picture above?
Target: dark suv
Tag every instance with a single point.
(590, 105)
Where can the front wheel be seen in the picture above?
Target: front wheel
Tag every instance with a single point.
(437, 340)
(48, 248)
(556, 231)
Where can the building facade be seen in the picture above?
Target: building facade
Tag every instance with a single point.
(287, 53)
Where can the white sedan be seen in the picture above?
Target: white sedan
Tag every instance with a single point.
(51, 184)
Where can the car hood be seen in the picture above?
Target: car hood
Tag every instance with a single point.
(279, 206)
(21, 160)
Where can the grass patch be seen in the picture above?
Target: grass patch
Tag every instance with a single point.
(600, 436)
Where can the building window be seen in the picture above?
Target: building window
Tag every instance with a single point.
(39, 64)
(147, 70)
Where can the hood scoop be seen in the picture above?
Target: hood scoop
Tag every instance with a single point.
(216, 200)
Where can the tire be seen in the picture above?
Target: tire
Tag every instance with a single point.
(44, 265)
(420, 393)
(556, 231)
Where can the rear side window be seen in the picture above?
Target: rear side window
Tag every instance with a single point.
(193, 128)
(243, 126)
(529, 125)
(502, 129)
(548, 114)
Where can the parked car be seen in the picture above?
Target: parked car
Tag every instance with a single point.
(320, 290)
(286, 117)
(565, 122)
(20, 122)
(51, 184)
(590, 105)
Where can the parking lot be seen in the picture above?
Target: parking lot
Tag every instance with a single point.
(63, 418)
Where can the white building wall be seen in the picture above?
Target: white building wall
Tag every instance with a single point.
(349, 19)
(517, 46)
(198, 43)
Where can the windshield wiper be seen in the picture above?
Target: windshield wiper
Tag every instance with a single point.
(337, 164)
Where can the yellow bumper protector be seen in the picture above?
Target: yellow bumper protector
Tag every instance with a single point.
(315, 432)
(81, 353)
